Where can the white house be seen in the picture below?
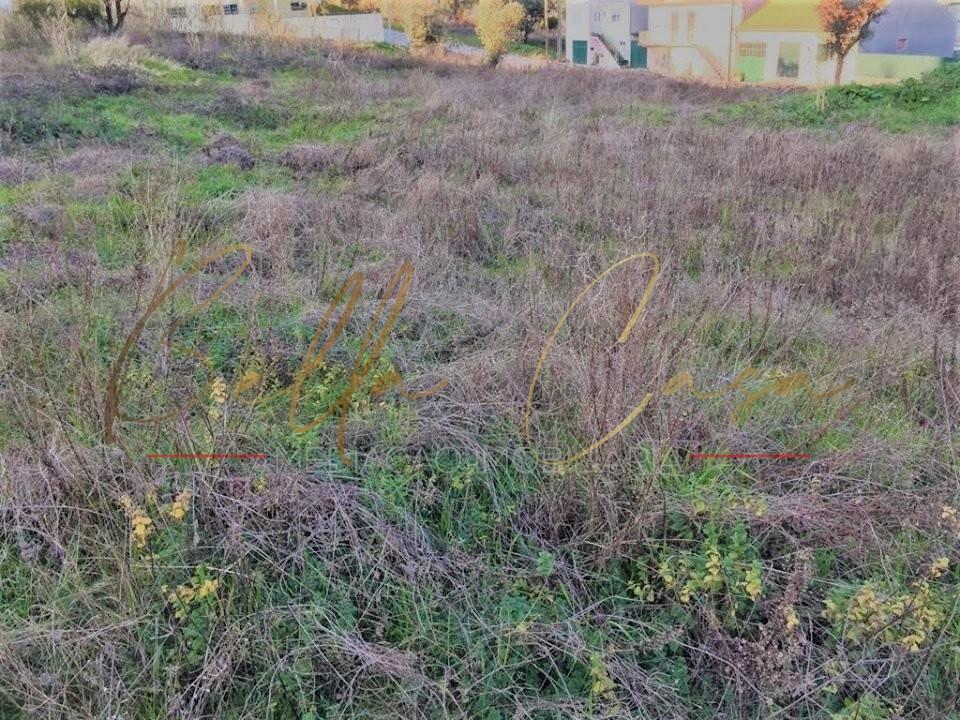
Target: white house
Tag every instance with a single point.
(294, 17)
(605, 33)
(686, 38)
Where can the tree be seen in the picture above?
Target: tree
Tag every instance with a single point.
(420, 19)
(498, 23)
(534, 17)
(847, 22)
(115, 12)
(85, 11)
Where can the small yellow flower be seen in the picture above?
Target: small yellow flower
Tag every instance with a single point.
(182, 593)
(752, 583)
(207, 587)
(218, 390)
(602, 683)
(790, 618)
(127, 504)
(140, 532)
(714, 576)
(948, 513)
(181, 598)
(666, 574)
(913, 642)
(218, 396)
(180, 506)
(939, 567)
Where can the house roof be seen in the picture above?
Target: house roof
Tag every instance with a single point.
(663, 3)
(784, 16)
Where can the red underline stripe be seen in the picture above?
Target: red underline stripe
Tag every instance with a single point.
(206, 456)
(750, 456)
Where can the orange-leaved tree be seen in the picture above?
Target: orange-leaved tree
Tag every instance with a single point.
(115, 12)
(846, 23)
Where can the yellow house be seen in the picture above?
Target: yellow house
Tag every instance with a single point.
(783, 42)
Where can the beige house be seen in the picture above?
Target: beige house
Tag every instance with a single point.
(692, 38)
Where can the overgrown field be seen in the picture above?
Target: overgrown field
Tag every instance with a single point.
(176, 217)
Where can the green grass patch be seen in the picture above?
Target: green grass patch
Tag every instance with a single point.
(933, 101)
(387, 48)
(172, 73)
(468, 37)
(643, 113)
(224, 182)
(315, 125)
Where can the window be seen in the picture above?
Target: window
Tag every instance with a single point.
(823, 53)
(596, 16)
(754, 50)
(901, 44)
(788, 60)
(253, 8)
(231, 9)
(298, 6)
(691, 20)
(615, 17)
(177, 12)
(675, 25)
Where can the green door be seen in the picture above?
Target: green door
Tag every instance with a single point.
(638, 55)
(579, 52)
(751, 59)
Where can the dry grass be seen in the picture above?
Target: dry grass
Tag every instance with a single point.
(445, 573)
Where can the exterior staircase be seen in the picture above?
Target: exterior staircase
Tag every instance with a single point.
(601, 55)
(713, 61)
(715, 64)
(621, 60)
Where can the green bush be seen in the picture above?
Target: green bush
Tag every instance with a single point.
(930, 100)
(931, 87)
(85, 11)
